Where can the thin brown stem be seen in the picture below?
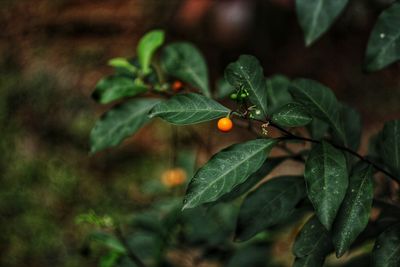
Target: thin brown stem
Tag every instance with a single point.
(289, 136)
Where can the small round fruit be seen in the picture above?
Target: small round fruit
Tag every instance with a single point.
(173, 177)
(177, 86)
(243, 95)
(225, 124)
(233, 96)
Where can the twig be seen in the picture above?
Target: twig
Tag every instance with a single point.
(290, 136)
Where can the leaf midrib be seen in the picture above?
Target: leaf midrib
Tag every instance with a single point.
(226, 173)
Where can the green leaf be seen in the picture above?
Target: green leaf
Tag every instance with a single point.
(320, 102)
(352, 125)
(316, 16)
(277, 92)
(148, 44)
(291, 115)
(386, 251)
(326, 178)
(249, 256)
(384, 43)
(107, 240)
(268, 205)
(312, 237)
(254, 179)
(247, 74)
(224, 89)
(317, 129)
(119, 123)
(185, 62)
(122, 63)
(225, 170)
(353, 215)
(312, 244)
(188, 109)
(390, 146)
(110, 259)
(116, 87)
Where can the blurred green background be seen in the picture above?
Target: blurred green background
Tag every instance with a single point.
(52, 53)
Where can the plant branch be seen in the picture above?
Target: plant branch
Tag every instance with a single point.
(290, 136)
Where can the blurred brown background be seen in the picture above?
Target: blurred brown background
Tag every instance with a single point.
(52, 53)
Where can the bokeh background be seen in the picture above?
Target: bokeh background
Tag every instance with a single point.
(52, 53)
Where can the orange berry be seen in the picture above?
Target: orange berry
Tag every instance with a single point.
(173, 177)
(225, 124)
(177, 86)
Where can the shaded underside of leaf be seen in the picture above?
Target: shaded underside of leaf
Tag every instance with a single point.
(270, 204)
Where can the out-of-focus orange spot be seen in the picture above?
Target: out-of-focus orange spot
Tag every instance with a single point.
(177, 86)
(173, 177)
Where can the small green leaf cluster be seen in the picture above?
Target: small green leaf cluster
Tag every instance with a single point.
(337, 185)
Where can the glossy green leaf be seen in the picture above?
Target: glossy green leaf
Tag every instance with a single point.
(119, 123)
(188, 109)
(390, 146)
(148, 44)
(316, 16)
(386, 251)
(277, 92)
(225, 170)
(268, 205)
(254, 179)
(224, 89)
(327, 179)
(117, 87)
(185, 62)
(312, 244)
(122, 63)
(354, 213)
(246, 73)
(291, 115)
(320, 102)
(352, 126)
(384, 42)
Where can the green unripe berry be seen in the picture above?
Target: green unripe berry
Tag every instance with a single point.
(243, 95)
(233, 96)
